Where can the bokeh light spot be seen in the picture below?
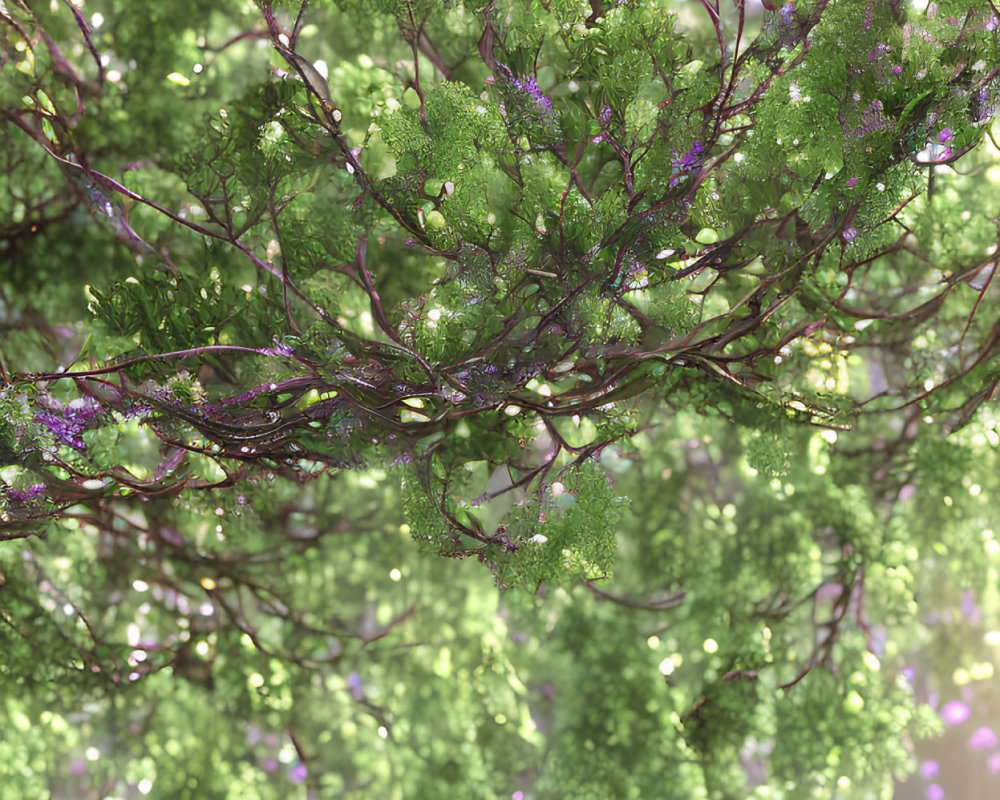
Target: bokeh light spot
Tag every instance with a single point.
(955, 712)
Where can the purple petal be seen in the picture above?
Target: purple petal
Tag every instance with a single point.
(955, 712)
(935, 792)
(983, 739)
(929, 769)
(969, 609)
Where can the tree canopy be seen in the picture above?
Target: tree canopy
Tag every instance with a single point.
(671, 326)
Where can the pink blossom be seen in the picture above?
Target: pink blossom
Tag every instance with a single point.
(955, 712)
(983, 739)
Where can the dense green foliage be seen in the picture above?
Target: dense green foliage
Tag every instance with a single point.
(695, 295)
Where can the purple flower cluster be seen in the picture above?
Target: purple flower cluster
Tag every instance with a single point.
(30, 494)
(530, 87)
(67, 423)
(691, 159)
(882, 48)
(984, 107)
(872, 119)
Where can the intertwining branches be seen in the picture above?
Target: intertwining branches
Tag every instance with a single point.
(642, 224)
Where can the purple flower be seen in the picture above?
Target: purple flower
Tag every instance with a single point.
(955, 712)
(897, 70)
(530, 87)
(357, 690)
(31, 493)
(969, 608)
(984, 109)
(270, 765)
(691, 159)
(66, 423)
(868, 18)
(983, 739)
(993, 764)
(882, 48)
(872, 119)
(935, 792)
(929, 769)
(851, 182)
(298, 773)
(945, 135)
(850, 235)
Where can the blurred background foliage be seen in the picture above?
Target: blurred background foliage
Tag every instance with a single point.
(804, 597)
